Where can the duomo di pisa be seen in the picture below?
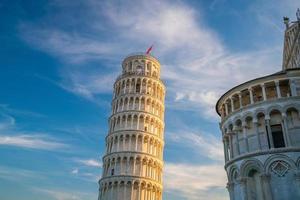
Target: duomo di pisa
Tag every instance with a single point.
(260, 124)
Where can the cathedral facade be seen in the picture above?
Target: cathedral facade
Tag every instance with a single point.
(260, 126)
(133, 163)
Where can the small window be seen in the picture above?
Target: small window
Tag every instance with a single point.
(139, 69)
(138, 88)
(112, 172)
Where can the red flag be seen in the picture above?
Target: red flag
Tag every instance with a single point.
(148, 51)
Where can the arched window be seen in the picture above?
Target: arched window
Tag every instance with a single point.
(139, 69)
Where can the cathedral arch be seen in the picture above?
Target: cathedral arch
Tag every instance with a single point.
(278, 158)
(251, 164)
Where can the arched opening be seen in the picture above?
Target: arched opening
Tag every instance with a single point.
(254, 187)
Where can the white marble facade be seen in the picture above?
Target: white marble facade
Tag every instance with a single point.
(133, 163)
(260, 125)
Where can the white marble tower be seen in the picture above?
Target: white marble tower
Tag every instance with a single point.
(133, 163)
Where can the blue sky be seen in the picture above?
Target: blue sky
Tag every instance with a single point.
(59, 59)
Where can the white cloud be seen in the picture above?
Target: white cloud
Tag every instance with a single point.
(61, 195)
(16, 174)
(195, 181)
(204, 144)
(41, 142)
(198, 67)
(90, 162)
(75, 171)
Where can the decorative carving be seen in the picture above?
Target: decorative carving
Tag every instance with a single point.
(280, 168)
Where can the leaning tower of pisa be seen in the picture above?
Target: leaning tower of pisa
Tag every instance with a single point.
(133, 163)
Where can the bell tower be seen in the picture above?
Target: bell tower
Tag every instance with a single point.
(291, 50)
(133, 163)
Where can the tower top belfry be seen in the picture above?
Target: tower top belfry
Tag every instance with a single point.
(291, 49)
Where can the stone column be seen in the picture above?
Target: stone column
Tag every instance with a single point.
(125, 190)
(123, 103)
(240, 100)
(133, 167)
(225, 149)
(267, 191)
(230, 144)
(278, 89)
(251, 95)
(230, 188)
(123, 143)
(297, 180)
(226, 108)
(255, 123)
(243, 183)
(263, 91)
(293, 88)
(270, 137)
(285, 130)
(237, 145)
(112, 192)
(130, 143)
(136, 142)
(245, 135)
(232, 104)
(139, 192)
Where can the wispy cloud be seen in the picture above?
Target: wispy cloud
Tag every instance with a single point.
(41, 142)
(195, 63)
(195, 181)
(203, 144)
(59, 194)
(90, 162)
(16, 174)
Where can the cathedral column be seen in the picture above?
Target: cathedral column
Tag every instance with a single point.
(267, 191)
(255, 123)
(285, 130)
(225, 149)
(251, 95)
(293, 88)
(230, 144)
(226, 108)
(244, 126)
(264, 91)
(243, 184)
(297, 179)
(230, 188)
(240, 100)
(278, 89)
(232, 104)
(269, 131)
(235, 133)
